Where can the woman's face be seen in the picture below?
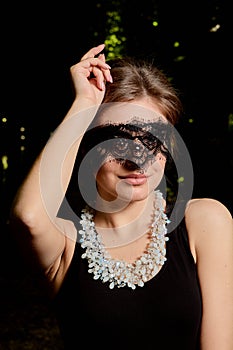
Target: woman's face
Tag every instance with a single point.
(132, 179)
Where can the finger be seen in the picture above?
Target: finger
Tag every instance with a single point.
(99, 78)
(93, 52)
(108, 76)
(86, 67)
(99, 62)
(103, 66)
(89, 63)
(106, 72)
(102, 57)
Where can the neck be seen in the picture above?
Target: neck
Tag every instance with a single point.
(127, 225)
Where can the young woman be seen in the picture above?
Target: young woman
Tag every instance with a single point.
(126, 268)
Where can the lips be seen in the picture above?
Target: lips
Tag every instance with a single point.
(134, 179)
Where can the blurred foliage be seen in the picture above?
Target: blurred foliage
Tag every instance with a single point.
(115, 39)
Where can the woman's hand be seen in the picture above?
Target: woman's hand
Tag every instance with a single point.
(90, 74)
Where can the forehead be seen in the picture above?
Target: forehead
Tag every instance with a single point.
(124, 112)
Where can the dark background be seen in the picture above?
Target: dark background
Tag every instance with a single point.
(39, 42)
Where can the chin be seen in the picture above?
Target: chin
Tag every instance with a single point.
(137, 193)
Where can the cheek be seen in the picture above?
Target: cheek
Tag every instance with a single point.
(105, 172)
(106, 182)
(157, 170)
(160, 163)
(157, 180)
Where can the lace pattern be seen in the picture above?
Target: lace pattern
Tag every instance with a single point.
(137, 141)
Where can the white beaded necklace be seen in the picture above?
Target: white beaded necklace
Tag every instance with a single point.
(118, 272)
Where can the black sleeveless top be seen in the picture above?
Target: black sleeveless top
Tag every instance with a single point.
(163, 314)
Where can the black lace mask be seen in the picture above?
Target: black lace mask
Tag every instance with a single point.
(134, 144)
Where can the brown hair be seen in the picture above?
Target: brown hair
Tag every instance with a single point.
(134, 78)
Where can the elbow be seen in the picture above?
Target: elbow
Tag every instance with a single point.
(23, 216)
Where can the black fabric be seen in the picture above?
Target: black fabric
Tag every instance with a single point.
(164, 314)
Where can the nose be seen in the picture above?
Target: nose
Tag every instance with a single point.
(130, 165)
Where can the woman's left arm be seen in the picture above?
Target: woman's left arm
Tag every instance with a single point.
(210, 228)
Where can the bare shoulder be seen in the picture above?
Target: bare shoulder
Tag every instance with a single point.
(208, 220)
(208, 215)
(207, 208)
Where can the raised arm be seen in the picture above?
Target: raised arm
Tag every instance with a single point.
(210, 227)
(33, 215)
